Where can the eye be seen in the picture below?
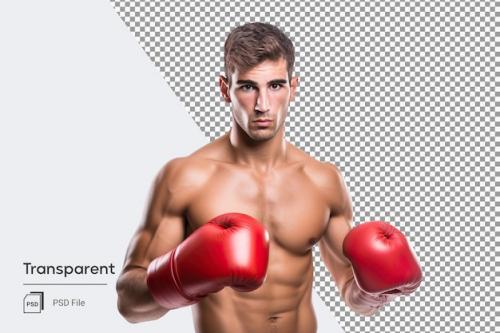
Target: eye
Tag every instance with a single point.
(276, 86)
(247, 87)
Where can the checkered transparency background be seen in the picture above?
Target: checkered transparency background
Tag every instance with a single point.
(401, 96)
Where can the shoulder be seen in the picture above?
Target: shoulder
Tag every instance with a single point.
(320, 173)
(177, 183)
(188, 172)
(195, 169)
(324, 174)
(328, 178)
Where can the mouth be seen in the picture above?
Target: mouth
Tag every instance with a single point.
(263, 122)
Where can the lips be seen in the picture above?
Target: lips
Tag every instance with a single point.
(263, 122)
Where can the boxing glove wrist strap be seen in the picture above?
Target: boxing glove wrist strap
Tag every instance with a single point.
(163, 282)
(175, 278)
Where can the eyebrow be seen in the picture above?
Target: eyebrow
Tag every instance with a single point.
(277, 81)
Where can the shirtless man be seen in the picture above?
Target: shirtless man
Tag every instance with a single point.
(251, 170)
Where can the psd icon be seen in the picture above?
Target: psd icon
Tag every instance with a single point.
(33, 302)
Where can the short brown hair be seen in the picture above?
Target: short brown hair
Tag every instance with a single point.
(250, 44)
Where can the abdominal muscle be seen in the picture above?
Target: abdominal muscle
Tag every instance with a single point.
(281, 305)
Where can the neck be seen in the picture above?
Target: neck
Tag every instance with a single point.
(259, 155)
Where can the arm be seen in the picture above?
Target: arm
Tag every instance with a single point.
(162, 230)
(330, 246)
(164, 271)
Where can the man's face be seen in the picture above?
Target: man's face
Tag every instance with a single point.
(260, 98)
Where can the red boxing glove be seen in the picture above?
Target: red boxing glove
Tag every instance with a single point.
(382, 260)
(230, 250)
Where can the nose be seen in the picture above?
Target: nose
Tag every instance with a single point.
(262, 102)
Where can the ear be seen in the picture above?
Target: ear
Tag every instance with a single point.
(294, 83)
(224, 88)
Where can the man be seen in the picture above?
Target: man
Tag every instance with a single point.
(230, 228)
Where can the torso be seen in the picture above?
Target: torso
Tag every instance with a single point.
(295, 210)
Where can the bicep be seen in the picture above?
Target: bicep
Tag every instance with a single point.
(150, 242)
(162, 228)
(330, 247)
(339, 225)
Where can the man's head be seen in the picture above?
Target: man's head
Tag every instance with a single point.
(258, 61)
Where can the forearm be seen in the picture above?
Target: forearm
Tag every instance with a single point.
(361, 302)
(135, 302)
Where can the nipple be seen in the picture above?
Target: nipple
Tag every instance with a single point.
(273, 319)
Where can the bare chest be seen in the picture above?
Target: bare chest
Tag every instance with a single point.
(293, 209)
